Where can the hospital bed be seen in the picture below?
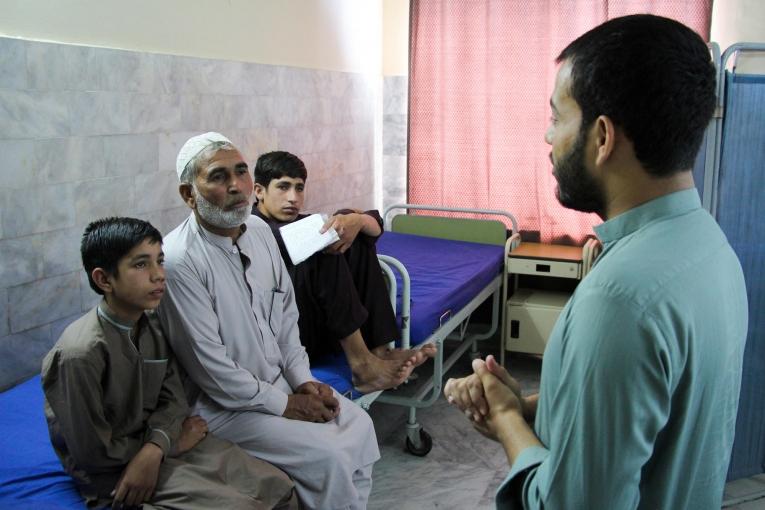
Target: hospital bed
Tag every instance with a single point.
(440, 268)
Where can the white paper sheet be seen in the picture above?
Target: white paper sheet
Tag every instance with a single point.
(302, 237)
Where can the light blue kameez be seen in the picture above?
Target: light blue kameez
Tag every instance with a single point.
(641, 376)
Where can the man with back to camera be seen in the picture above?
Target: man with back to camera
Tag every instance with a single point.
(340, 293)
(641, 375)
(230, 312)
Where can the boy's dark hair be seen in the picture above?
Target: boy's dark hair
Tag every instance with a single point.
(654, 78)
(278, 164)
(107, 240)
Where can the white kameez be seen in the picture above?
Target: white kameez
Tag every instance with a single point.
(229, 312)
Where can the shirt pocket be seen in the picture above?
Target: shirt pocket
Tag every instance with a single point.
(271, 312)
(152, 377)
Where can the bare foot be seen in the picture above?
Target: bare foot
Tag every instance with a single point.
(374, 374)
(420, 355)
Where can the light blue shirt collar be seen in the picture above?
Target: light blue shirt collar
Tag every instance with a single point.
(673, 204)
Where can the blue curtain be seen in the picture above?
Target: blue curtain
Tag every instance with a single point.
(741, 214)
(699, 165)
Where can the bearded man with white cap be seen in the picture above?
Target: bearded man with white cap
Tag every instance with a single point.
(230, 311)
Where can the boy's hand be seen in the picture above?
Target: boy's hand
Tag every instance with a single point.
(137, 483)
(347, 227)
(193, 430)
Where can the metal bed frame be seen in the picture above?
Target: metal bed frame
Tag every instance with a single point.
(418, 441)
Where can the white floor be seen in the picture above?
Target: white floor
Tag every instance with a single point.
(464, 469)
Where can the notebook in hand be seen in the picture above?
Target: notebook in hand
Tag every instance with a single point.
(302, 237)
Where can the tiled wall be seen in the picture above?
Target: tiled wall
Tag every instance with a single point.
(88, 132)
(395, 94)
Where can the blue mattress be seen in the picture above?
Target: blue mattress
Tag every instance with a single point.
(445, 276)
(31, 476)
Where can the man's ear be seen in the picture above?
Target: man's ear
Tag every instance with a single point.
(604, 133)
(186, 191)
(102, 279)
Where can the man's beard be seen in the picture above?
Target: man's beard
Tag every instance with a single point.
(217, 216)
(577, 189)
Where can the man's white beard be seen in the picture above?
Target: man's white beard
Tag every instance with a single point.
(216, 216)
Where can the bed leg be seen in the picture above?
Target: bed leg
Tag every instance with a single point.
(418, 442)
(474, 352)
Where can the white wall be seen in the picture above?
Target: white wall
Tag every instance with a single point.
(337, 35)
(740, 21)
(395, 34)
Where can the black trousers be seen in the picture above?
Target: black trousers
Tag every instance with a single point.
(338, 294)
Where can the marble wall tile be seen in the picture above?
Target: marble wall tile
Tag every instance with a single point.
(171, 218)
(394, 180)
(395, 93)
(171, 76)
(21, 354)
(155, 192)
(253, 142)
(295, 82)
(394, 135)
(126, 71)
(191, 113)
(99, 198)
(13, 64)
(69, 159)
(295, 140)
(151, 113)
(189, 75)
(259, 79)
(43, 301)
(18, 164)
(130, 154)
(63, 67)
(168, 146)
(33, 114)
(22, 261)
(100, 113)
(58, 327)
(237, 111)
(260, 112)
(87, 296)
(61, 251)
(4, 324)
(37, 209)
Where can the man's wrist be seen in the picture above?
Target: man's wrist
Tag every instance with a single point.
(515, 434)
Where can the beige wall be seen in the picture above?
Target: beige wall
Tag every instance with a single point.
(395, 37)
(337, 35)
(740, 21)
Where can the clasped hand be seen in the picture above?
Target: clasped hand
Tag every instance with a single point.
(486, 396)
(312, 401)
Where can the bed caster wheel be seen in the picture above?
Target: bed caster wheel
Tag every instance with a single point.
(426, 444)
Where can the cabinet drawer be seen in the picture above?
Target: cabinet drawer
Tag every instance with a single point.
(542, 267)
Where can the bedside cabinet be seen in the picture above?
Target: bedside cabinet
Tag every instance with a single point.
(532, 308)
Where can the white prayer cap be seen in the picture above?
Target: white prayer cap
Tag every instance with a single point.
(194, 146)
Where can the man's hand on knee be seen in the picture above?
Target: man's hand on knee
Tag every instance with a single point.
(311, 407)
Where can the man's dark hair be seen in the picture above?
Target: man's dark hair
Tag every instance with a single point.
(107, 240)
(654, 78)
(278, 164)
